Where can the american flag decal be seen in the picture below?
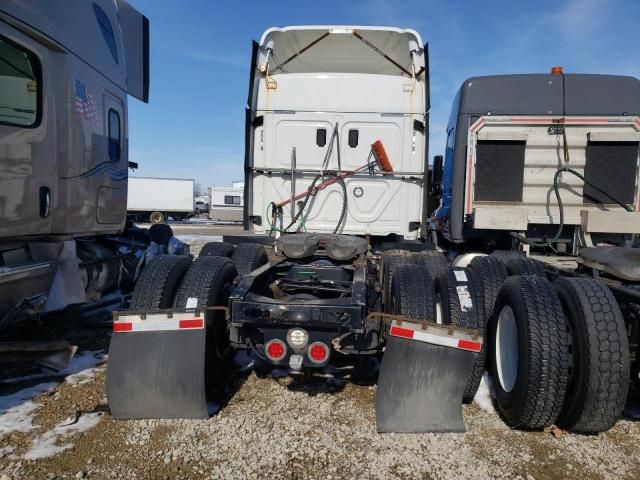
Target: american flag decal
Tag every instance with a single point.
(85, 104)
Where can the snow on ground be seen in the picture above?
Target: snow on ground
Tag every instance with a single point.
(483, 395)
(47, 445)
(83, 368)
(16, 409)
(205, 238)
(6, 451)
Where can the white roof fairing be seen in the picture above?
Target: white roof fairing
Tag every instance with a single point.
(344, 49)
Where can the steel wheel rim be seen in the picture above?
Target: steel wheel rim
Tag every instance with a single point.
(506, 350)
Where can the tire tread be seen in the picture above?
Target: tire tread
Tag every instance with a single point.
(158, 281)
(598, 403)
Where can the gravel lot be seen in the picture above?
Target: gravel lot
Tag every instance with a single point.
(291, 428)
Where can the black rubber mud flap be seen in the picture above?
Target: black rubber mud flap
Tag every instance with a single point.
(420, 387)
(157, 374)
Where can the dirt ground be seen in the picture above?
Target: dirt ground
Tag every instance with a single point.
(274, 426)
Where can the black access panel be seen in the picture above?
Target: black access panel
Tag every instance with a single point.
(612, 167)
(499, 170)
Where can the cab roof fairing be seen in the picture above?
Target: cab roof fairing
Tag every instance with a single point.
(336, 48)
(542, 94)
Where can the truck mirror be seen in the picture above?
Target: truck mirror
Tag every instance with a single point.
(436, 176)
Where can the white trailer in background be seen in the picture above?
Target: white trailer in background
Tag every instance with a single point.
(227, 203)
(157, 199)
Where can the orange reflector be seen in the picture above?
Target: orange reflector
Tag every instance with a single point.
(556, 71)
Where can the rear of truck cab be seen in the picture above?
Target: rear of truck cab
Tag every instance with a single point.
(360, 94)
(505, 142)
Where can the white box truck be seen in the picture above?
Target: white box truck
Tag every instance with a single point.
(157, 199)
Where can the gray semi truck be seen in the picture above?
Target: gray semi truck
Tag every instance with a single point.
(539, 193)
(65, 75)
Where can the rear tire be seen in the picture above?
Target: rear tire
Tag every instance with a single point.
(493, 273)
(156, 217)
(525, 266)
(216, 249)
(391, 260)
(207, 283)
(435, 261)
(412, 292)
(249, 256)
(599, 377)
(529, 360)
(158, 282)
(461, 296)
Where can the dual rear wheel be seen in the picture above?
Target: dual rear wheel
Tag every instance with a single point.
(173, 281)
(557, 352)
(454, 295)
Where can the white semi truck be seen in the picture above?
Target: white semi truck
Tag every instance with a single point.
(155, 200)
(330, 179)
(65, 75)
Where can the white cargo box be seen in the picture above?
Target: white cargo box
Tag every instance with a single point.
(148, 194)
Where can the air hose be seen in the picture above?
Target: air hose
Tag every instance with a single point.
(377, 153)
(556, 189)
(311, 191)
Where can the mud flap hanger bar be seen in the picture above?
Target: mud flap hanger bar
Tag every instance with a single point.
(434, 333)
(163, 319)
(359, 37)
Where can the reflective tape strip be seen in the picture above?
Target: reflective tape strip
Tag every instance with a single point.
(447, 341)
(154, 326)
(122, 326)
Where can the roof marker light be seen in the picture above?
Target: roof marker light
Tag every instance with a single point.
(556, 71)
(348, 31)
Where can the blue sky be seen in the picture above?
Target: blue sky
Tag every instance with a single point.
(193, 126)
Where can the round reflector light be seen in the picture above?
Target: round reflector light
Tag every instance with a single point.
(275, 350)
(318, 352)
(297, 337)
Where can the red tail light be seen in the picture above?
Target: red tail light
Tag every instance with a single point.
(275, 350)
(318, 352)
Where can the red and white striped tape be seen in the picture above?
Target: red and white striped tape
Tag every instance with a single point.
(158, 325)
(443, 340)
